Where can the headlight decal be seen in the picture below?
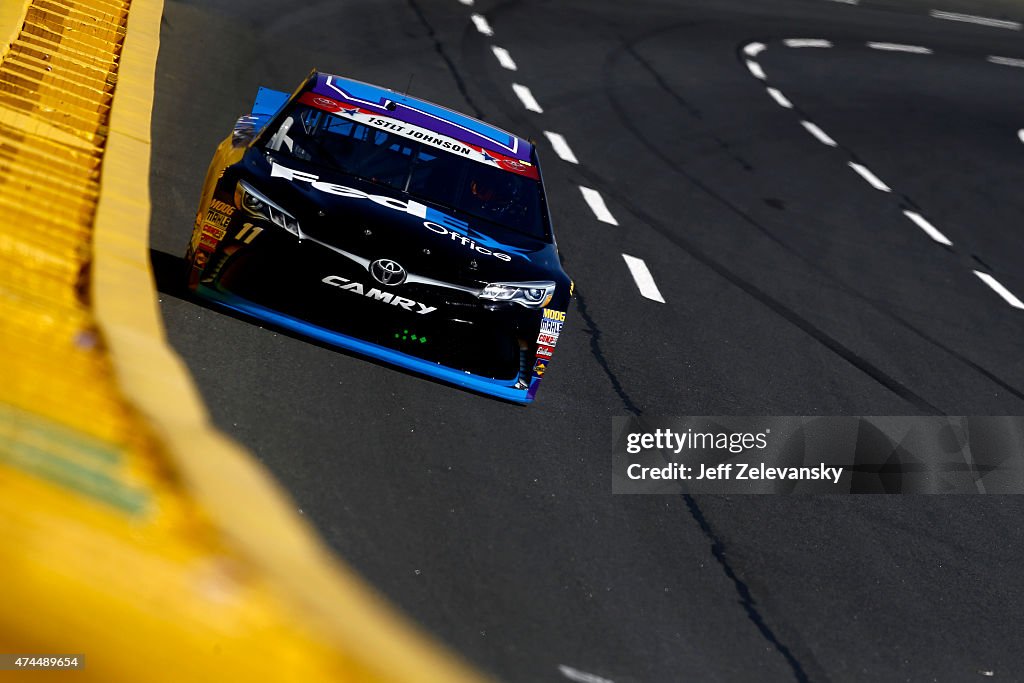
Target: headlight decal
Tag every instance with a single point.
(257, 204)
(528, 294)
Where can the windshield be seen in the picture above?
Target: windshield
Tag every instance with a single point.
(474, 188)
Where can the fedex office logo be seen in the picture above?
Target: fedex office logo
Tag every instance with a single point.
(434, 221)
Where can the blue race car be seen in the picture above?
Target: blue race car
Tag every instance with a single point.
(388, 226)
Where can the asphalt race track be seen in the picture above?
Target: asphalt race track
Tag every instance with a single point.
(793, 284)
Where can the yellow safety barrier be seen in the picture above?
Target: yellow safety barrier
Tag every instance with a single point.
(131, 532)
(12, 15)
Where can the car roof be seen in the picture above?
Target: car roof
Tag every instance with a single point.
(419, 112)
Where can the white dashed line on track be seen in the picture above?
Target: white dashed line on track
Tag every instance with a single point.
(641, 274)
(818, 133)
(527, 98)
(873, 180)
(779, 98)
(900, 47)
(596, 203)
(1006, 61)
(848, 2)
(928, 228)
(998, 288)
(481, 25)
(920, 221)
(581, 676)
(644, 280)
(504, 58)
(806, 42)
(974, 19)
(754, 49)
(561, 147)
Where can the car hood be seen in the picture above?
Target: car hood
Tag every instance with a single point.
(370, 221)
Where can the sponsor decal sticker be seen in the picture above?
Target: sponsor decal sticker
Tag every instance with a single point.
(218, 218)
(208, 241)
(540, 367)
(547, 339)
(202, 256)
(551, 326)
(223, 207)
(545, 351)
(378, 294)
(435, 221)
(248, 233)
(214, 232)
(552, 314)
(377, 99)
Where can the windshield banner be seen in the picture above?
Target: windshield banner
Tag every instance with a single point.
(419, 134)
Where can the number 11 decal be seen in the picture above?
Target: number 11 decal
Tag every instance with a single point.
(248, 233)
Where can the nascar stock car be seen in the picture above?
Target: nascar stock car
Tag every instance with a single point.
(388, 226)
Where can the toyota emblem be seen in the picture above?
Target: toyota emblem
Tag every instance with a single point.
(387, 272)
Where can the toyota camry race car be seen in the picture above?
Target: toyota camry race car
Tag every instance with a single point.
(388, 226)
